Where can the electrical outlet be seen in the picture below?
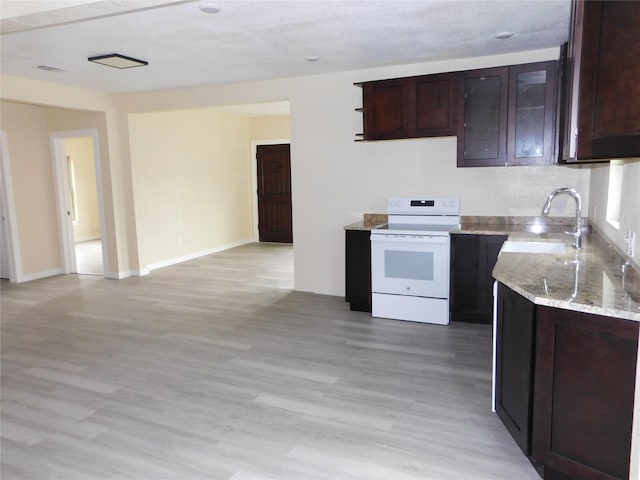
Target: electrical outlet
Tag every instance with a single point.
(631, 243)
(179, 241)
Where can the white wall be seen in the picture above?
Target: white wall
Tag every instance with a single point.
(192, 183)
(270, 127)
(33, 187)
(630, 203)
(335, 180)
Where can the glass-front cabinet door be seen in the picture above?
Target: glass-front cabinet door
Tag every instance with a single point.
(508, 116)
(532, 95)
(483, 123)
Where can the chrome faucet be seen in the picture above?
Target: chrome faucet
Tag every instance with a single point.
(571, 192)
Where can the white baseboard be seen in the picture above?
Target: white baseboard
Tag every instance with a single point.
(143, 271)
(117, 275)
(85, 238)
(185, 258)
(27, 277)
(127, 274)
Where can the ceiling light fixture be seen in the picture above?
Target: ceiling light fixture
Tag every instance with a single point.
(116, 60)
(312, 58)
(210, 8)
(503, 35)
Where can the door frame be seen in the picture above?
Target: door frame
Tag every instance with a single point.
(63, 200)
(254, 177)
(9, 212)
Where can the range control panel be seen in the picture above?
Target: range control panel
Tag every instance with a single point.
(423, 206)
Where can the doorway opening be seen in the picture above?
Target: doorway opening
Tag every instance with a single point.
(85, 215)
(10, 265)
(80, 206)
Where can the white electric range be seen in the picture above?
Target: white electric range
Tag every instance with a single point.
(410, 260)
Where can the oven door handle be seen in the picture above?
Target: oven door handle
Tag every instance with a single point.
(408, 239)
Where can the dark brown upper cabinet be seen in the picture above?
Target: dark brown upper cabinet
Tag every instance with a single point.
(507, 115)
(600, 117)
(482, 123)
(434, 106)
(410, 107)
(532, 108)
(386, 109)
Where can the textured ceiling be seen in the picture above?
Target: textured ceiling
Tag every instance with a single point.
(252, 40)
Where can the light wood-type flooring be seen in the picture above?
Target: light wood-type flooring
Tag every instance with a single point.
(89, 257)
(217, 369)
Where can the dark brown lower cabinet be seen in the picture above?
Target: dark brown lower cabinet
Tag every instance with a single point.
(584, 393)
(514, 365)
(472, 260)
(565, 383)
(358, 269)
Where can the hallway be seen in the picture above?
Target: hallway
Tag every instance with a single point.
(89, 257)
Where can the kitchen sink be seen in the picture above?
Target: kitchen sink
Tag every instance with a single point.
(517, 246)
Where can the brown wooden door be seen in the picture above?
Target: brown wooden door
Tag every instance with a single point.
(274, 193)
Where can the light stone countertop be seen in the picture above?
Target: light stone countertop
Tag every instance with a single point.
(590, 280)
(369, 221)
(358, 226)
(507, 225)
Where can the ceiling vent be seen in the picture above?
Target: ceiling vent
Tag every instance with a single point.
(116, 60)
(49, 68)
(209, 8)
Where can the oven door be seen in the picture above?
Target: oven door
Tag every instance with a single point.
(410, 265)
